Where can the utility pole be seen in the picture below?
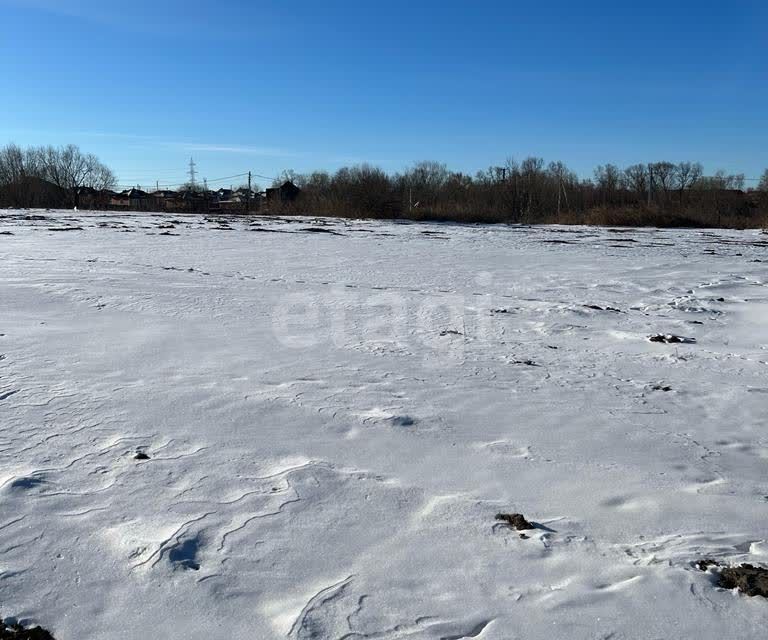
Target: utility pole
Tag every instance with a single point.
(192, 172)
(248, 195)
(205, 184)
(157, 185)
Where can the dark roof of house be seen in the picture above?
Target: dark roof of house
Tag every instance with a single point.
(134, 193)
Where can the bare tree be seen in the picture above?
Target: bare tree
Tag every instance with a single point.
(287, 175)
(71, 169)
(635, 179)
(686, 174)
(663, 176)
(608, 179)
(763, 184)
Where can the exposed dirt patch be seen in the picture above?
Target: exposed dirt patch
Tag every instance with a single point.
(527, 363)
(320, 230)
(18, 632)
(515, 521)
(668, 338)
(597, 307)
(748, 579)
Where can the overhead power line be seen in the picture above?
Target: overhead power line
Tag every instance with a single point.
(152, 181)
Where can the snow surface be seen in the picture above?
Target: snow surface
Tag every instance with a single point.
(333, 421)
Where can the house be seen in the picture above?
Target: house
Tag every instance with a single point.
(138, 199)
(134, 199)
(286, 192)
(90, 198)
(239, 203)
(166, 200)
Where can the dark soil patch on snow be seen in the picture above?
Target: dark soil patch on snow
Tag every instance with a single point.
(16, 631)
(597, 307)
(320, 230)
(527, 363)
(668, 338)
(751, 580)
(748, 579)
(515, 521)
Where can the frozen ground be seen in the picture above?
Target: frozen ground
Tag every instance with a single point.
(333, 420)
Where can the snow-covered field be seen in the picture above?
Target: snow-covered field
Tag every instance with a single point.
(335, 411)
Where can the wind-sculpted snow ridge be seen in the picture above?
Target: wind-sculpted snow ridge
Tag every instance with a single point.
(328, 429)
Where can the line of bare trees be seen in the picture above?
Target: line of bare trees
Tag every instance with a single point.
(530, 191)
(659, 194)
(49, 176)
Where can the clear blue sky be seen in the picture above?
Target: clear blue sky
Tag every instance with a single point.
(273, 85)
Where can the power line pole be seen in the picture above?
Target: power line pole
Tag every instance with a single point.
(248, 195)
(192, 172)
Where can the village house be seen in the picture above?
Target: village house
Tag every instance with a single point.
(286, 192)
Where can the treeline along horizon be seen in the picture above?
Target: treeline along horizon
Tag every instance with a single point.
(531, 191)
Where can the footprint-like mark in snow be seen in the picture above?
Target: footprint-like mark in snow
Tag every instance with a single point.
(505, 448)
(183, 555)
(8, 394)
(317, 618)
(25, 483)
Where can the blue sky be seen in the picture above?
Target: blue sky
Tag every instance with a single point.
(268, 86)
